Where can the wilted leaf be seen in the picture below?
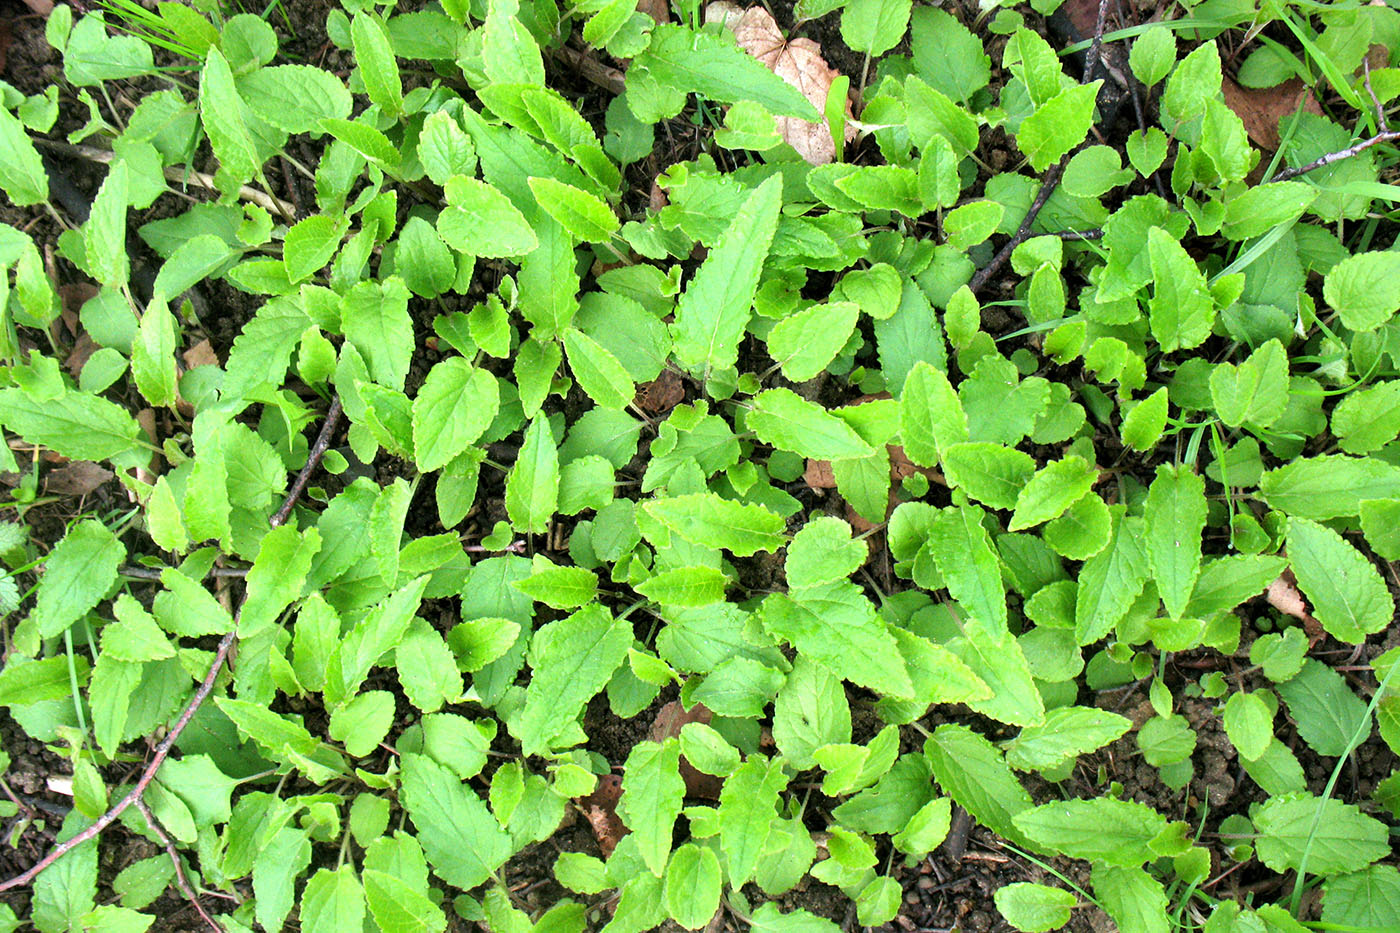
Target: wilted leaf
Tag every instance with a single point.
(799, 62)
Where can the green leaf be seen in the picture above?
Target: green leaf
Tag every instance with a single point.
(362, 138)
(931, 421)
(787, 421)
(362, 724)
(1133, 898)
(1110, 581)
(572, 659)
(1364, 289)
(993, 474)
(399, 906)
(509, 52)
(1174, 517)
(947, 55)
(973, 773)
(1348, 596)
(996, 658)
(836, 625)
(1369, 898)
(532, 489)
(962, 549)
(716, 306)
(445, 149)
(1249, 724)
(1328, 486)
(458, 834)
(1054, 488)
(1181, 310)
(24, 682)
(221, 112)
(711, 521)
(584, 215)
(693, 884)
(332, 900)
(104, 233)
(1328, 714)
(22, 174)
(805, 343)
(1034, 908)
(874, 26)
(310, 244)
(685, 587)
(1115, 832)
(79, 571)
(653, 792)
(1142, 426)
(823, 552)
(1256, 391)
(427, 668)
(1368, 419)
(713, 67)
(375, 319)
(1082, 531)
(809, 712)
(748, 805)
(1336, 837)
(1068, 732)
(1153, 54)
(598, 371)
(1057, 127)
(378, 68)
(558, 587)
(455, 405)
(295, 98)
(481, 221)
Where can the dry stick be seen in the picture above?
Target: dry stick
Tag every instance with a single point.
(1050, 182)
(1385, 135)
(150, 573)
(206, 687)
(180, 878)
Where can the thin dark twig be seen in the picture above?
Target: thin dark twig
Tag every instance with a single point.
(162, 750)
(1091, 60)
(150, 573)
(1094, 234)
(313, 458)
(180, 878)
(135, 795)
(1047, 188)
(1385, 135)
(1332, 157)
(1048, 184)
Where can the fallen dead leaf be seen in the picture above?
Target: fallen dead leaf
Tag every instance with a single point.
(201, 354)
(662, 394)
(799, 62)
(83, 348)
(76, 479)
(1260, 109)
(669, 721)
(600, 809)
(1283, 595)
(659, 10)
(818, 475)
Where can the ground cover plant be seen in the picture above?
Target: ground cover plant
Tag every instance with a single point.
(617, 466)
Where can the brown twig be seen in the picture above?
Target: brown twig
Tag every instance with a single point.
(150, 573)
(1386, 135)
(180, 878)
(137, 792)
(1048, 184)
(313, 459)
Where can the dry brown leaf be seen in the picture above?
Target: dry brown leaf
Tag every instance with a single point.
(1283, 595)
(1261, 108)
(201, 354)
(662, 394)
(669, 721)
(76, 479)
(818, 475)
(798, 62)
(600, 809)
